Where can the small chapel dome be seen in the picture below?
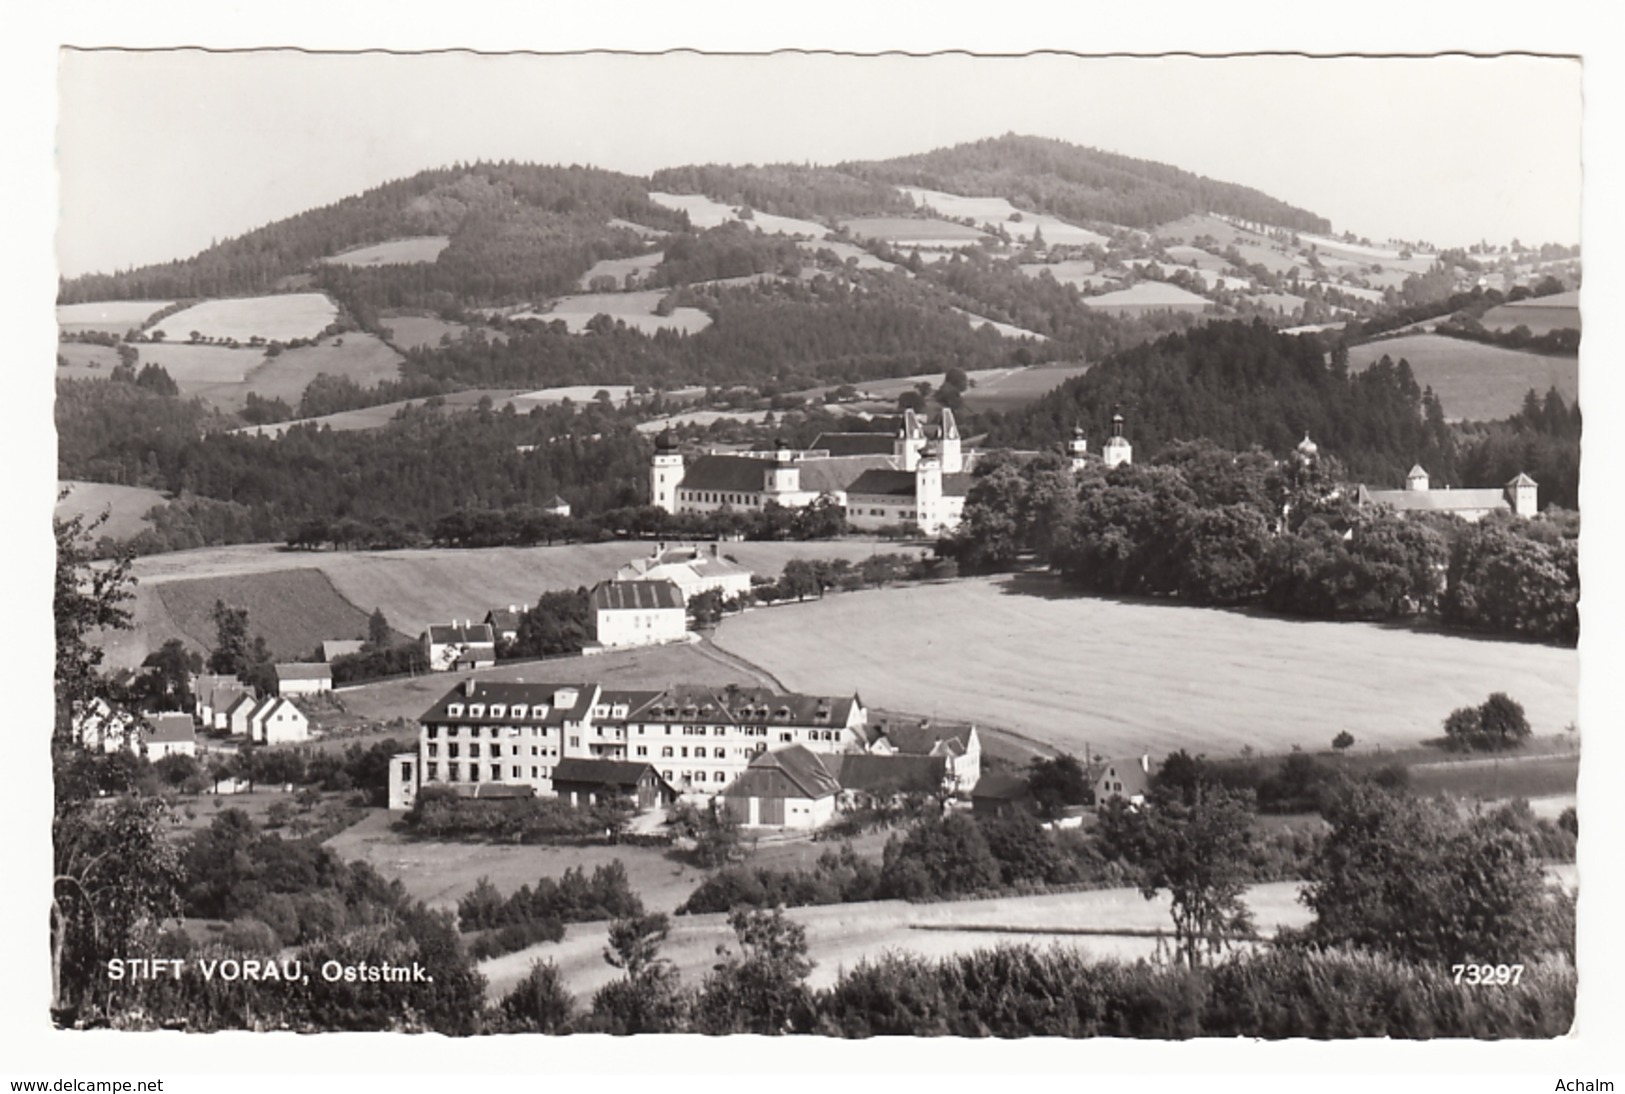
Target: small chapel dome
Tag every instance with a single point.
(1306, 447)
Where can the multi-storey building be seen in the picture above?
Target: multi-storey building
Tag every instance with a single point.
(698, 738)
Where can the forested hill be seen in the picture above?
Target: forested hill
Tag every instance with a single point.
(1062, 179)
(517, 228)
(1244, 384)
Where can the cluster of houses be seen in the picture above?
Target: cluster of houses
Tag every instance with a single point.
(223, 705)
(771, 759)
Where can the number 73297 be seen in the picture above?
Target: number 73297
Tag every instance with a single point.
(1478, 975)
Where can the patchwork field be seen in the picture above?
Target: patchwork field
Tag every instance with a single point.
(847, 251)
(374, 417)
(1195, 256)
(1130, 677)
(706, 213)
(294, 609)
(196, 369)
(702, 417)
(359, 356)
(411, 331)
(988, 210)
(85, 361)
(637, 309)
(1472, 380)
(275, 318)
(619, 268)
(1149, 296)
(126, 506)
(397, 252)
(110, 316)
(1019, 387)
(925, 232)
(1285, 303)
(1188, 228)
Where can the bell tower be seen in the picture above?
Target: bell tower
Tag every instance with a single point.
(665, 472)
(1117, 450)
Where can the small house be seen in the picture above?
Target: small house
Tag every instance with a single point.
(169, 735)
(786, 788)
(958, 745)
(504, 622)
(100, 728)
(215, 695)
(303, 677)
(586, 782)
(460, 646)
(1130, 780)
(275, 721)
(865, 777)
(997, 794)
(638, 613)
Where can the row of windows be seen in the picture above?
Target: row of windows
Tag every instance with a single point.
(718, 752)
(454, 772)
(902, 514)
(433, 731)
(495, 753)
(716, 497)
(718, 777)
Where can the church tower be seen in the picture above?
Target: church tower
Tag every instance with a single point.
(1521, 493)
(953, 459)
(1077, 449)
(665, 472)
(910, 439)
(928, 491)
(1117, 450)
(782, 476)
(1417, 479)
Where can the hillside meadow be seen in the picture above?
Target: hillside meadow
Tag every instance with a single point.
(126, 506)
(635, 309)
(278, 318)
(107, 316)
(1123, 678)
(358, 356)
(406, 331)
(331, 593)
(1472, 380)
(85, 361)
(396, 252)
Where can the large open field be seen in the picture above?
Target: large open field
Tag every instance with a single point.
(845, 251)
(1019, 387)
(1131, 677)
(1146, 296)
(126, 506)
(414, 588)
(619, 268)
(412, 331)
(397, 252)
(279, 318)
(636, 309)
(85, 361)
(197, 369)
(1541, 314)
(1471, 379)
(926, 232)
(294, 609)
(108, 316)
(1005, 329)
(988, 210)
(703, 212)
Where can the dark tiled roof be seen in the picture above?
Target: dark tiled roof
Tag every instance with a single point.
(635, 595)
(170, 727)
(621, 773)
(928, 740)
(793, 772)
(502, 619)
(856, 444)
(475, 634)
(1129, 773)
(743, 706)
(879, 774)
(836, 473)
(528, 695)
(304, 670)
(731, 474)
(876, 481)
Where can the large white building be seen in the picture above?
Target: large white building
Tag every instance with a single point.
(1517, 497)
(698, 738)
(638, 613)
(693, 568)
(917, 476)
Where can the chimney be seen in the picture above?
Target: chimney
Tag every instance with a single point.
(1145, 762)
(468, 687)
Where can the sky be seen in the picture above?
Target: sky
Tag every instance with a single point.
(162, 152)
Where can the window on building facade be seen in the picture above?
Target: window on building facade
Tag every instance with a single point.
(451, 750)
(575, 742)
(533, 772)
(474, 750)
(496, 773)
(787, 736)
(434, 749)
(666, 752)
(434, 772)
(434, 731)
(719, 777)
(643, 750)
(454, 772)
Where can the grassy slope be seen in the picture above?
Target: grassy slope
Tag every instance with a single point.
(1473, 380)
(294, 609)
(1132, 677)
(362, 358)
(126, 506)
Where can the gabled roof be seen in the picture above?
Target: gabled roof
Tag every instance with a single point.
(881, 774)
(744, 706)
(930, 739)
(618, 773)
(1523, 480)
(635, 595)
(452, 634)
(1417, 470)
(244, 704)
(856, 444)
(169, 728)
(1435, 501)
(503, 619)
(732, 474)
(834, 475)
(509, 695)
(1134, 778)
(792, 772)
(496, 790)
(303, 670)
(997, 785)
(340, 647)
(887, 482)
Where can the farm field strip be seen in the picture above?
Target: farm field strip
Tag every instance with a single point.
(396, 252)
(618, 268)
(1006, 329)
(925, 232)
(85, 361)
(278, 318)
(1128, 678)
(637, 309)
(361, 357)
(1147, 294)
(414, 331)
(703, 212)
(375, 417)
(126, 506)
(111, 316)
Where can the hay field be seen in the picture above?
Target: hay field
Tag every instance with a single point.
(1021, 386)
(413, 331)
(110, 316)
(1282, 302)
(618, 268)
(927, 232)
(279, 318)
(703, 213)
(397, 252)
(1129, 677)
(845, 251)
(361, 357)
(1541, 315)
(199, 369)
(990, 210)
(126, 506)
(1008, 330)
(1188, 228)
(1149, 296)
(702, 417)
(1195, 256)
(636, 308)
(295, 609)
(375, 417)
(1473, 380)
(85, 361)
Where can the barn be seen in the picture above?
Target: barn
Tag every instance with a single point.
(786, 788)
(584, 782)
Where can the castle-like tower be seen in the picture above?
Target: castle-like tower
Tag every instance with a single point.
(910, 439)
(1117, 450)
(1077, 449)
(782, 475)
(665, 472)
(1521, 495)
(952, 456)
(1417, 479)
